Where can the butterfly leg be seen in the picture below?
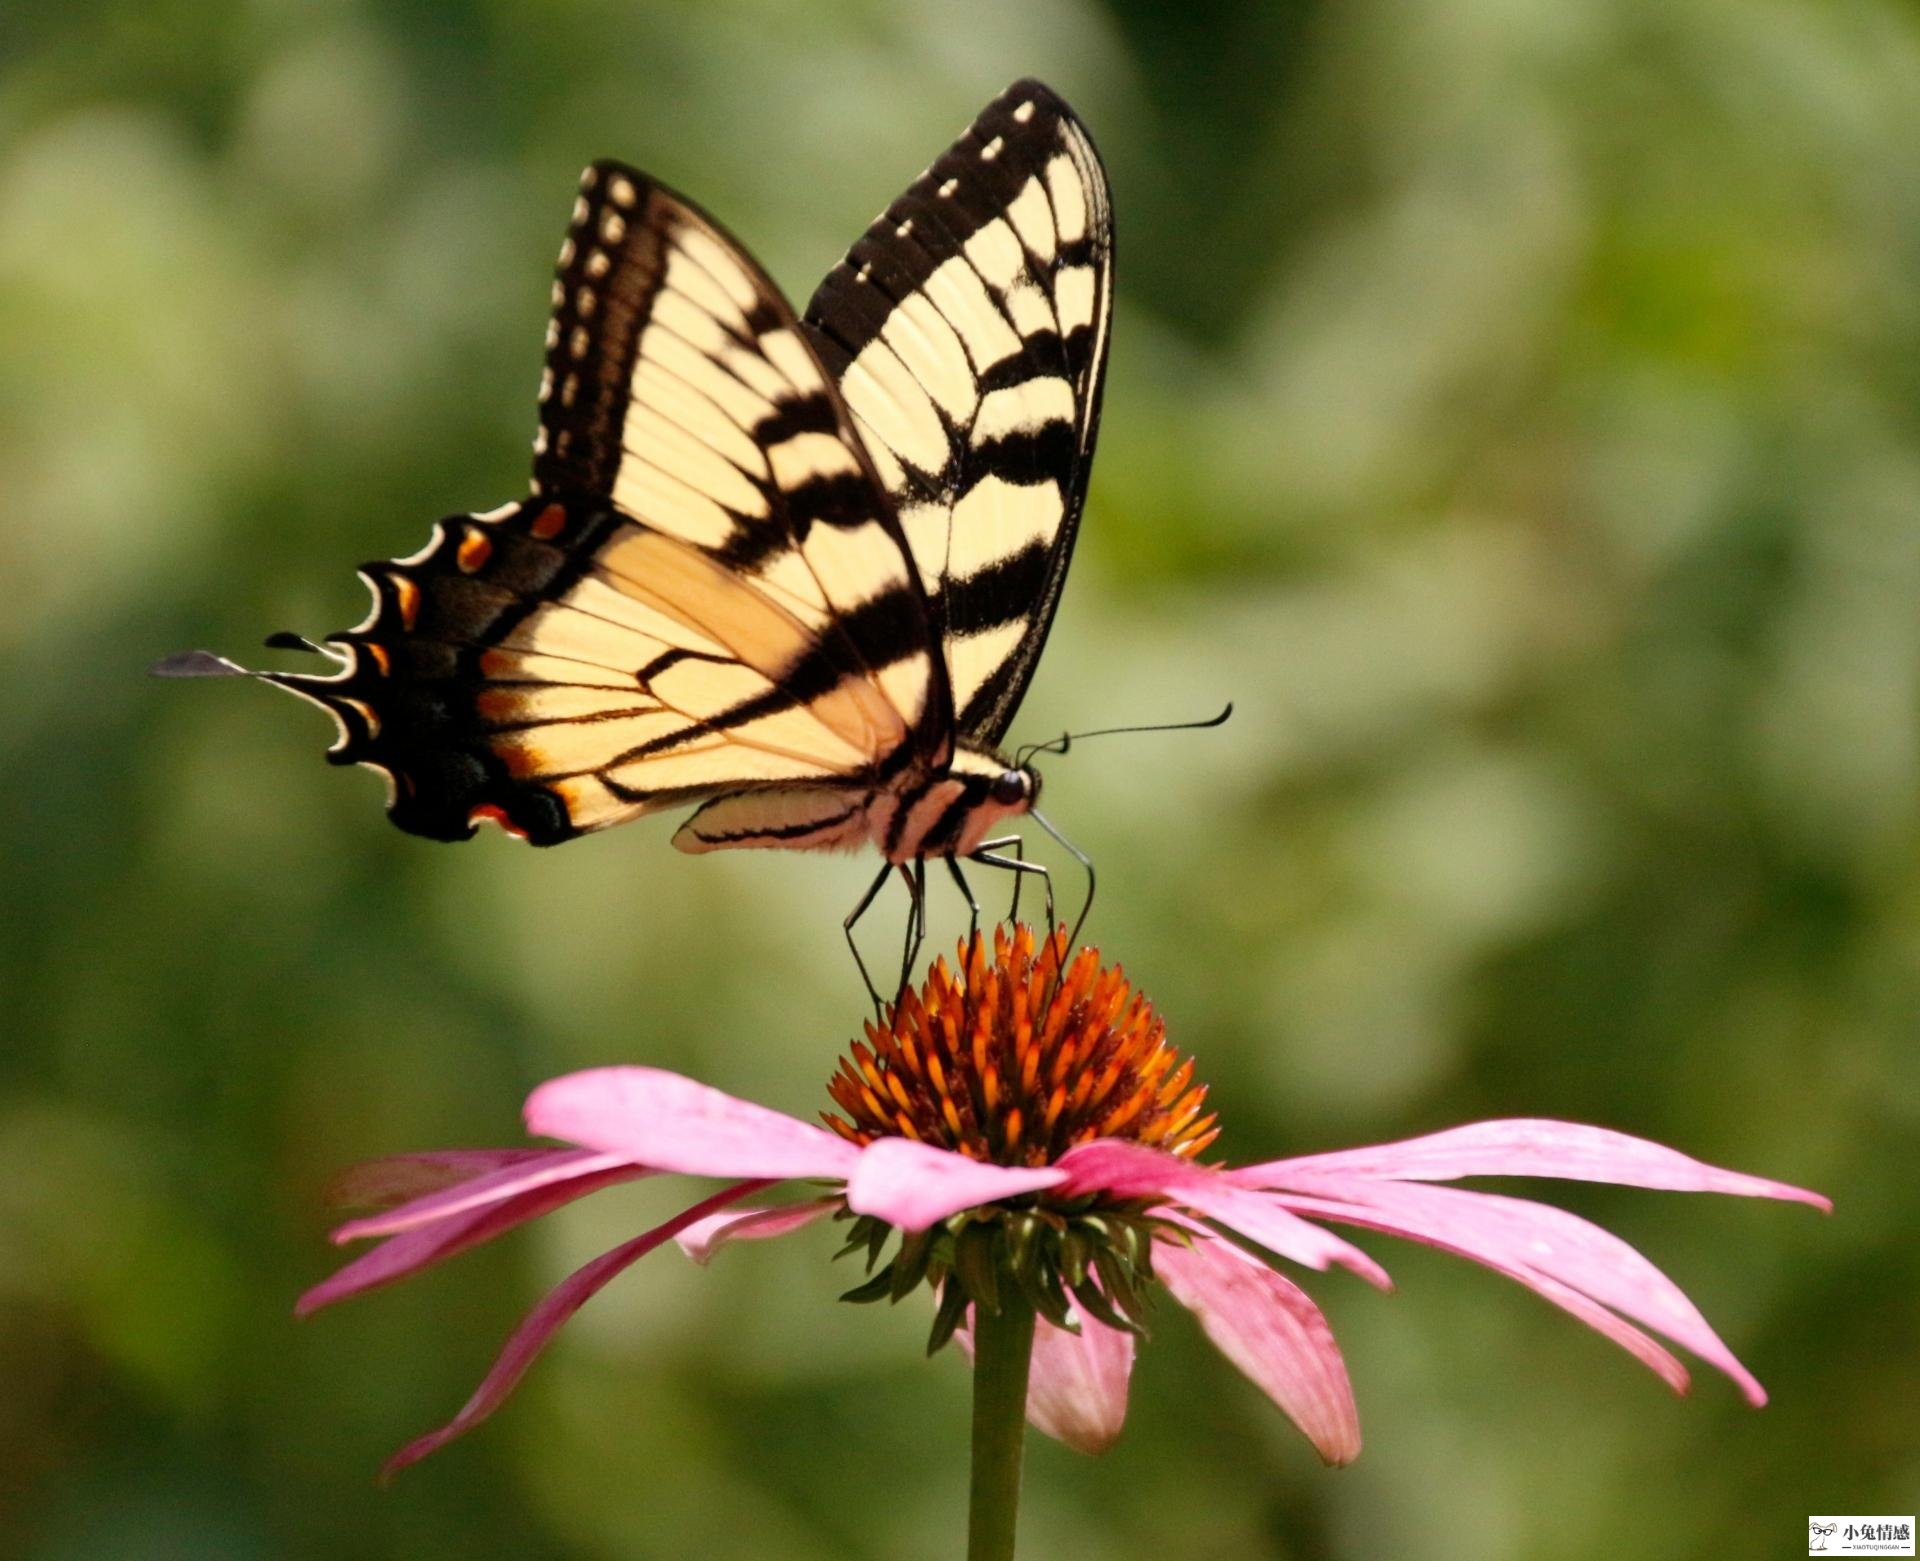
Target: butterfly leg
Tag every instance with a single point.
(916, 881)
(1018, 847)
(1086, 863)
(846, 926)
(1019, 866)
(966, 890)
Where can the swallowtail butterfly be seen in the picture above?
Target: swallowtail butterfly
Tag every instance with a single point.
(797, 570)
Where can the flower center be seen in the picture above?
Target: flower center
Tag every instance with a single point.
(1007, 1059)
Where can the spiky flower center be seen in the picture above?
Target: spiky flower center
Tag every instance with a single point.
(1008, 1059)
(1013, 1060)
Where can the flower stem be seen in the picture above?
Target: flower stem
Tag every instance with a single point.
(1002, 1352)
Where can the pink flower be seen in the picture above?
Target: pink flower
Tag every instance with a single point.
(1020, 1127)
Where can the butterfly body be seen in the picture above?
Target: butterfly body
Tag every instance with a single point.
(797, 569)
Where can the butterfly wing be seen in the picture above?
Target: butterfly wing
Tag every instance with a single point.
(968, 332)
(708, 591)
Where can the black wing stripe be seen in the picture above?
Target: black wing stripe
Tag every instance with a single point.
(708, 592)
(967, 328)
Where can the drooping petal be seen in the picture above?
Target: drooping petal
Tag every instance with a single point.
(553, 1166)
(912, 1186)
(540, 1325)
(1134, 1171)
(703, 1238)
(1268, 1327)
(672, 1123)
(1533, 1242)
(1077, 1392)
(1077, 1383)
(1527, 1146)
(413, 1250)
(379, 1184)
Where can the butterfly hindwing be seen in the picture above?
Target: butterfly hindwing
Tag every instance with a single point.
(968, 332)
(708, 591)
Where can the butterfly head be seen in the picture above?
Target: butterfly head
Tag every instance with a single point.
(1016, 788)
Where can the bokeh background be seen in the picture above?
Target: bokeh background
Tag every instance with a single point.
(1514, 408)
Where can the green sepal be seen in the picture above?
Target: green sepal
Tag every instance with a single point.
(1121, 1285)
(909, 1264)
(878, 1288)
(1095, 1304)
(951, 1313)
(1076, 1252)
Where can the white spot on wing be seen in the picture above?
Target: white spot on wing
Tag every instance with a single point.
(1069, 194)
(933, 354)
(957, 291)
(721, 265)
(973, 659)
(1030, 310)
(894, 405)
(1021, 409)
(684, 275)
(996, 254)
(662, 501)
(1032, 216)
(997, 519)
(1073, 297)
(806, 456)
(785, 352)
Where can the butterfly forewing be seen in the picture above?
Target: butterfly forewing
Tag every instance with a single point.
(968, 332)
(708, 591)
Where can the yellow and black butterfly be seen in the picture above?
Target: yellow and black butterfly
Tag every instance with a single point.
(798, 570)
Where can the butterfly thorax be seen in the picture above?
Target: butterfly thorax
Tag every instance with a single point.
(950, 811)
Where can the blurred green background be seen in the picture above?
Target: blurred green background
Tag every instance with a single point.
(1514, 408)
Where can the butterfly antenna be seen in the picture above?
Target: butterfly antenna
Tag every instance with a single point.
(1084, 860)
(1066, 740)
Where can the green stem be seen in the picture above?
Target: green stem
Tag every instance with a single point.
(1002, 1351)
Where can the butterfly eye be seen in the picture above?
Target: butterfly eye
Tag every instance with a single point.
(1011, 787)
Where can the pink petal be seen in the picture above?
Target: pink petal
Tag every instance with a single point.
(703, 1238)
(1528, 1146)
(540, 1325)
(1268, 1327)
(414, 1250)
(1134, 1171)
(1077, 1392)
(1077, 1387)
(912, 1186)
(379, 1184)
(672, 1123)
(550, 1167)
(1532, 1242)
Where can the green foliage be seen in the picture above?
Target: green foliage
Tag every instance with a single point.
(1514, 408)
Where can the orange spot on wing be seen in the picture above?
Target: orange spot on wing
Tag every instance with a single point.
(549, 523)
(488, 813)
(407, 594)
(377, 654)
(365, 711)
(476, 547)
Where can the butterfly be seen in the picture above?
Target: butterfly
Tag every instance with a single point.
(795, 569)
